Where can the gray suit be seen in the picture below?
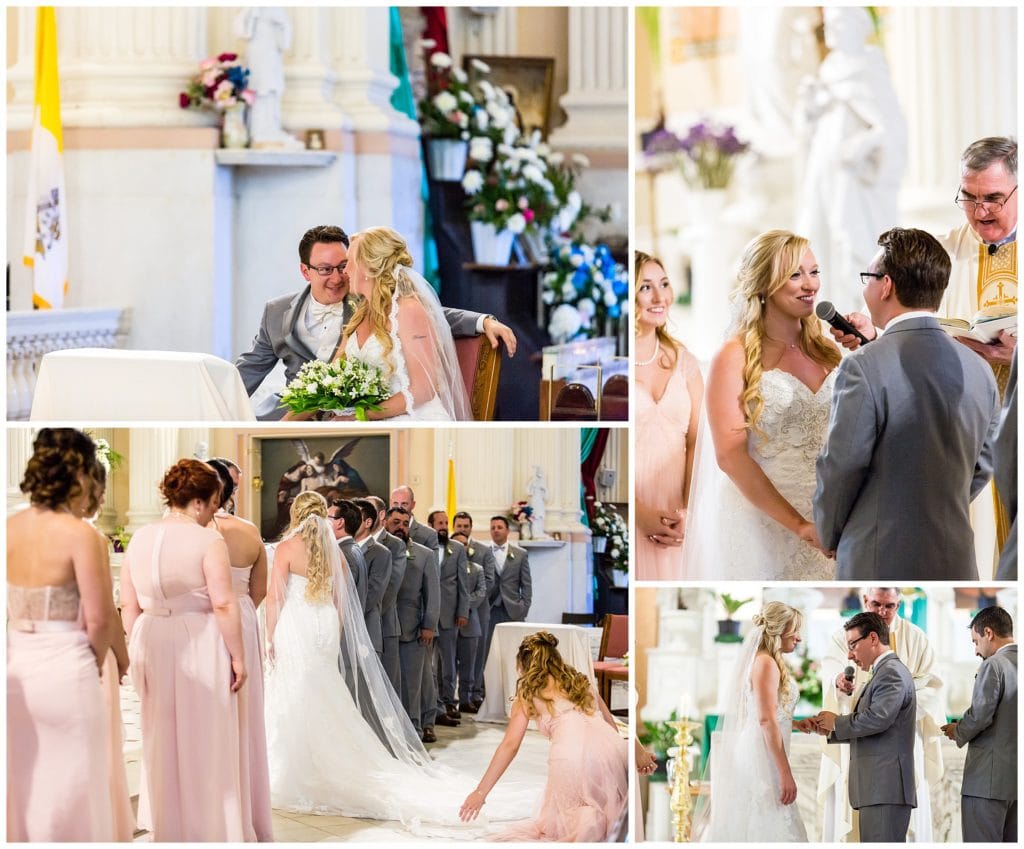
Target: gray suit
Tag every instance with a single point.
(512, 592)
(480, 553)
(378, 573)
(471, 633)
(880, 732)
(452, 572)
(909, 446)
(988, 808)
(417, 605)
(390, 629)
(276, 339)
(424, 535)
(1004, 460)
(357, 565)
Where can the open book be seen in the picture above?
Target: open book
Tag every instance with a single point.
(985, 326)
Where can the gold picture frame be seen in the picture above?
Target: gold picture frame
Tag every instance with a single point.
(528, 80)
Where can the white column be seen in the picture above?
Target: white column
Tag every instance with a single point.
(483, 472)
(152, 451)
(954, 70)
(597, 102)
(490, 31)
(119, 66)
(19, 450)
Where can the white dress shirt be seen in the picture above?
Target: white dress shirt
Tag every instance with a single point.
(500, 553)
(320, 327)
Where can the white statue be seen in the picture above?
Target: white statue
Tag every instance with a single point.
(269, 32)
(856, 158)
(537, 489)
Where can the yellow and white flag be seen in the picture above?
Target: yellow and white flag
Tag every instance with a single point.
(450, 500)
(46, 234)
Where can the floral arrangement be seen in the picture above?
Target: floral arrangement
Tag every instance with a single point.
(221, 83)
(807, 675)
(347, 384)
(446, 113)
(609, 523)
(706, 155)
(119, 539)
(520, 512)
(110, 459)
(582, 287)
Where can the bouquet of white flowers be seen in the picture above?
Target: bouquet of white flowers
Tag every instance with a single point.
(608, 522)
(342, 385)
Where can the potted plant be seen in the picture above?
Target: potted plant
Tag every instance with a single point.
(522, 514)
(221, 84)
(659, 737)
(119, 539)
(445, 116)
(729, 628)
(611, 529)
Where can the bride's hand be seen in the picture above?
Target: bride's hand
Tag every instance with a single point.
(809, 534)
(788, 796)
(471, 807)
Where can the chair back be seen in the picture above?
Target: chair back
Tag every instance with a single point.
(480, 365)
(585, 619)
(614, 636)
(615, 399)
(574, 403)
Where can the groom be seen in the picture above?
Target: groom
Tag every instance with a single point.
(880, 732)
(910, 436)
(297, 328)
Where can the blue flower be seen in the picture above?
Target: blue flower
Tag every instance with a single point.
(614, 311)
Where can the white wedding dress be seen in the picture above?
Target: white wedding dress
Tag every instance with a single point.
(727, 537)
(372, 353)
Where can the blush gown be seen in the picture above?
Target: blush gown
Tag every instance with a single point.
(588, 780)
(182, 672)
(661, 428)
(58, 773)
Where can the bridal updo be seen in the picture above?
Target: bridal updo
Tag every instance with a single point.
(380, 251)
(539, 662)
(777, 619)
(767, 263)
(59, 455)
(305, 510)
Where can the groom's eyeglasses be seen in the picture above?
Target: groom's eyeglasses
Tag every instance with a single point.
(328, 270)
(867, 276)
(853, 645)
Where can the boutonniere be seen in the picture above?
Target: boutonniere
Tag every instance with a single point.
(471, 551)
(449, 549)
(510, 555)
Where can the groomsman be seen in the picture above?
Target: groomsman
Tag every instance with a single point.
(345, 518)
(481, 554)
(390, 629)
(378, 572)
(452, 574)
(512, 592)
(471, 633)
(402, 496)
(417, 606)
(988, 802)
(880, 732)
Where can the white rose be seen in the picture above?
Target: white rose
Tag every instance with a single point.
(532, 173)
(576, 260)
(548, 297)
(556, 158)
(441, 60)
(544, 149)
(610, 300)
(481, 149)
(587, 308)
(568, 291)
(615, 553)
(579, 160)
(575, 201)
(466, 97)
(446, 101)
(482, 119)
(550, 278)
(472, 182)
(480, 66)
(460, 75)
(565, 322)
(516, 223)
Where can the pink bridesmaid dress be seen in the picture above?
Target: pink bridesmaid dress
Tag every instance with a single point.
(58, 775)
(661, 428)
(181, 670)
(120, 800)
(252, 737)
(587, 787)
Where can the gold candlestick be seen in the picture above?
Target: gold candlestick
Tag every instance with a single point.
(680, 776)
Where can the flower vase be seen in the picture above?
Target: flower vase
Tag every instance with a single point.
(620, 578)
(600, 543)
(446, 159)
(525, 531)
(233, 131)
(490, 245)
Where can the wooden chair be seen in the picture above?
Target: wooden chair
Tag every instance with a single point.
(574, 403)
(614, 644)
(615, 399)
(584, 619)
(480, 365)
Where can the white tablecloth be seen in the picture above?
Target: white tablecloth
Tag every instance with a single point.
(109, 384)
(500, 670)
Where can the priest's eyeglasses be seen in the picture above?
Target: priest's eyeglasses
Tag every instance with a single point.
(970, 204)
(328, 270)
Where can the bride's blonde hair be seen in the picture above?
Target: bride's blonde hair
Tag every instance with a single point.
(380, 251)
(768, 262)
(777, 619)
(305, 509)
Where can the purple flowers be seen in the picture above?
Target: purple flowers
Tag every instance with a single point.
(706, 154)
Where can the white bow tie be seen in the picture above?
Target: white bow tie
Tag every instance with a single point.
(322, 311)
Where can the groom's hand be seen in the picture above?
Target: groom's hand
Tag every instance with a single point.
(805, 726)
(495, 331)
(860, 322)
(826, 722)
(426, 636)
(844, 684)
(949, 729)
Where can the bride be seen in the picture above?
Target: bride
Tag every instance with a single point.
(399, 326)
(330, 752)
(767, 402)
(749, 759)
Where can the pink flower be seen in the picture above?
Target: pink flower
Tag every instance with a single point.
(523, 202)
(249, 96)
(227, 57)
(206, 64)
(501, 204)
(184, 101)
(528, 214)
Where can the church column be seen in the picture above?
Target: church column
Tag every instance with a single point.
(19, 450)
(151, 452)
(948, 104)
(484, 472)
(489, 31)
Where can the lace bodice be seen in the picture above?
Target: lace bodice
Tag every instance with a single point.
(784, 711)
(371, 352)
(43, 604)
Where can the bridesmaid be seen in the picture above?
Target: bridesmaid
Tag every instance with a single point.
(588, 763)
(249, 579)
(60, 611)
(668, 409)
(188, 664)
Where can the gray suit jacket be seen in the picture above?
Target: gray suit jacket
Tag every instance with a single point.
(357, 565)
(454, 595)
(419, 599)
(476, 588)
(909, 446)
(880, 732)
(481, 554)
(388, 609)
(276, 339)
(1004, 460)
(378, 573)
(989, 729)
(512, 587)
(422, 534)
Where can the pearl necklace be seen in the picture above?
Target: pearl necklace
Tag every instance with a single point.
(654, 356)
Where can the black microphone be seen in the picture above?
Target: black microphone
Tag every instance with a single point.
(827, 312)
(992, 250)
(848, 673)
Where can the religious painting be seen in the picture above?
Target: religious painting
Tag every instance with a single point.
(343, 466)
(527, 81)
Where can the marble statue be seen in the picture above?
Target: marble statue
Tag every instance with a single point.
(537, 490)
(857, 154)
(268, 32)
